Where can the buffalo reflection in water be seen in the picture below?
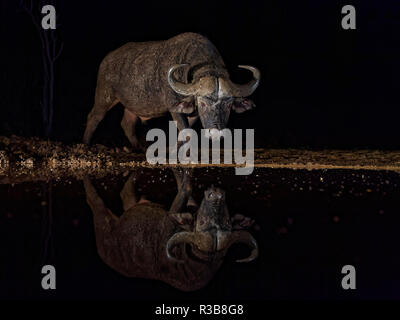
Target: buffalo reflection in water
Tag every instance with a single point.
(149, 242)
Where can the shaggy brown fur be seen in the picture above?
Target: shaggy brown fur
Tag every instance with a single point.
(136, 75)
(135, 244)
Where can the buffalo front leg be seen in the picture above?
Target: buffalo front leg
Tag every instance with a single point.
(179, 174)
(184, 190)
(192, 120)
(181, 120)
(128, 124)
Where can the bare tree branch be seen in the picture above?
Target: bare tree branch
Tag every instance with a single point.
(50, 54)
(59, 51)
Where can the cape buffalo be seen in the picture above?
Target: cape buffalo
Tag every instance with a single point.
(149, 242)
(184, 75)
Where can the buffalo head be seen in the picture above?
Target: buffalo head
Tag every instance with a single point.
(213, 97)
(212, 231)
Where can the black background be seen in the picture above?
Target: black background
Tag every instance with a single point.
(322, 86)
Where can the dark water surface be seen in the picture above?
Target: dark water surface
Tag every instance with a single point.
(308, 225)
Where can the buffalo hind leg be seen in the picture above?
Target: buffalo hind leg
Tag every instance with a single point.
(104, 219)
(184, 196)
(128, 124)
(104, 100)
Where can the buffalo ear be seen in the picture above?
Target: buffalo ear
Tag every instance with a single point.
(241, 105)
(185, 220)
(185, 106)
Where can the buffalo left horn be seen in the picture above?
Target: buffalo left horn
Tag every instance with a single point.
(245, 90)
(177, 238)
(185, 89)
(246, 238)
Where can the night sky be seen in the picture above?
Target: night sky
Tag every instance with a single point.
(322, 86)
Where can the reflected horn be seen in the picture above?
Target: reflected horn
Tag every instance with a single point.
(246, 238)
(176, 239)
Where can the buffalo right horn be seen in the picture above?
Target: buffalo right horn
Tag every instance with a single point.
(245, 90)
(185, 89)
(246, 238)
